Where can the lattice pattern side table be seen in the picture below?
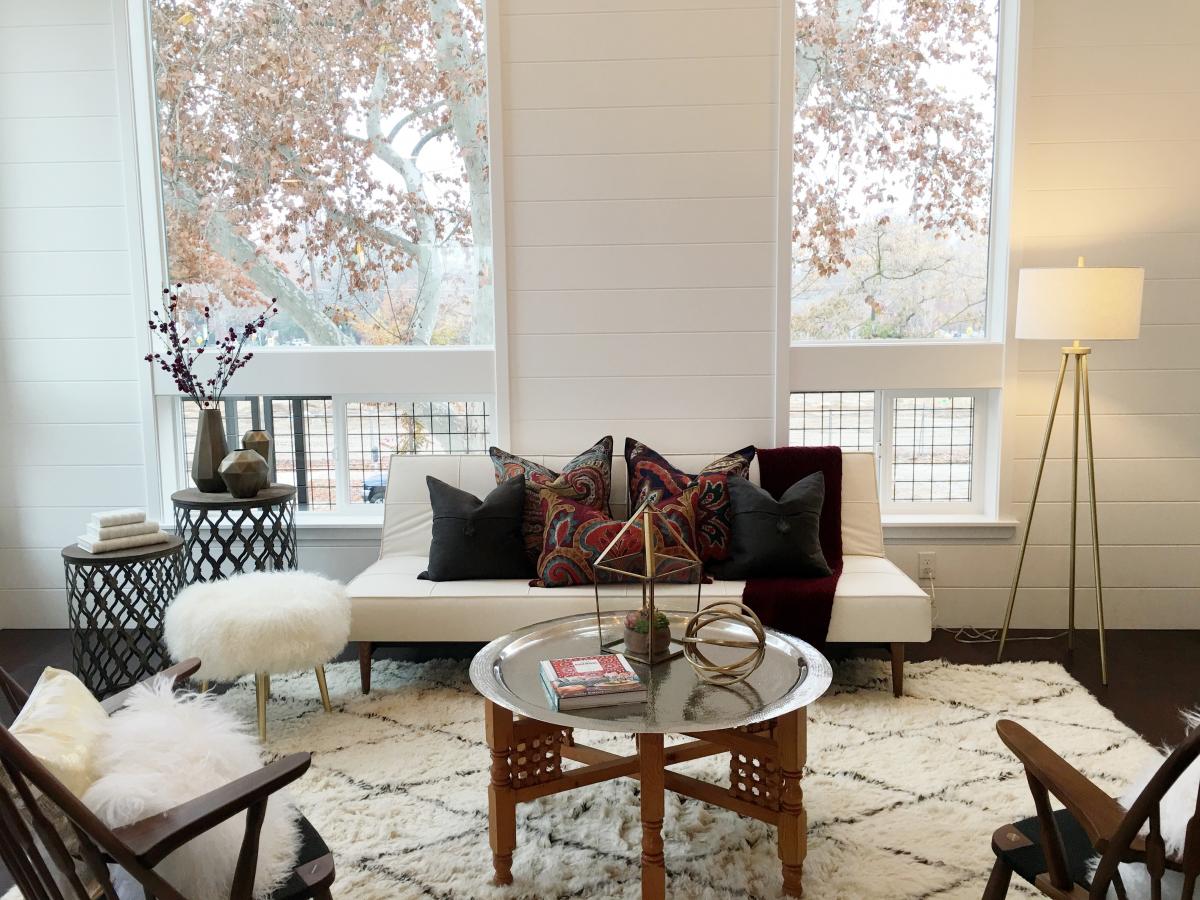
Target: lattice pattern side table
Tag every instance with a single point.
(224, 536)
(115, 604)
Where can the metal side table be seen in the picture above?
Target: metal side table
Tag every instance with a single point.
(115, 605)
(223, 535)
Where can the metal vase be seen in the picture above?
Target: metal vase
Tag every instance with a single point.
(260, 442)
(243, 472)
(210, 450)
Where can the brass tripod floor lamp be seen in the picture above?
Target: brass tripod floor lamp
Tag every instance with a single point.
(1103, 304)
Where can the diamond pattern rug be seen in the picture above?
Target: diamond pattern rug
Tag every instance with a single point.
(902, 795)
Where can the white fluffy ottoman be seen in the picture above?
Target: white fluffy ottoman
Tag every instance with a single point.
(264, 622)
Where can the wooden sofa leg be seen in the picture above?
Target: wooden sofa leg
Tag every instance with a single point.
(897, 669)
(365, 648)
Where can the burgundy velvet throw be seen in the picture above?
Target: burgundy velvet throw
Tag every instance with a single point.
(802, 606)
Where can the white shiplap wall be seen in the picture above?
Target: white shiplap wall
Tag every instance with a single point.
(640, 151)
(71, 436)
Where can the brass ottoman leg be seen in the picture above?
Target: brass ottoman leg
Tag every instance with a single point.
(262, 690)
(324, 689)
(204, 686)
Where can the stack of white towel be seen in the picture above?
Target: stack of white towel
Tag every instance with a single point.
(121, 529)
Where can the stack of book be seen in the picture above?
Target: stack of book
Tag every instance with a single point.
(121, 529)
(587, 682)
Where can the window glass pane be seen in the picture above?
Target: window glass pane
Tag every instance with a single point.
(333, 156)
(893, 138)
(377, 429)
(844, 419)
(932, 449)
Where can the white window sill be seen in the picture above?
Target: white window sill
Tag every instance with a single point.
(950, 527)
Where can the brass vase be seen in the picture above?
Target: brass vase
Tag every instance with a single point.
(260, 442)
(243, 473)
(210, 450)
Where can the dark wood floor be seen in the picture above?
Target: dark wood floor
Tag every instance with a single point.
(1153, 674)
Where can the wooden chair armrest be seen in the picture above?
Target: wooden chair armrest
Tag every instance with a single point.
(151, 839)
(178, 673)
(1099, 814)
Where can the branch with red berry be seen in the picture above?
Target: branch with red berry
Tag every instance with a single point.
(180, 352)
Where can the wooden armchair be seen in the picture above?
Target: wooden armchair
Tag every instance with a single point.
(43, 867)
(1051, 850)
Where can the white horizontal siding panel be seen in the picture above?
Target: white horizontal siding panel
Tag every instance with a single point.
(638, 354)
(1168, 391)
(663, 129)
(67, 272)
(646, 34)
(983, 607)
(1174, 302)
(107, 359)
(34, 609)
(543, 7)
(75, 185)
(72, 402)
(66, 445)
(60, 12)
(1162, 255)
(47, 487)
(62, 228)
(1103, 211)
(651, 311)
(667, 435)
(599, 222)
(1158, 347)
(581, 84)
(650, 176)
(78, 316)
(57, 526)
(39, 94)
(645, 266)
(1116, 479)
(1114, 24)
(57, 48)
(1147, 68)
(621, 397)
(1117, 437)
(1134, 524)
(1111, 165)
(32, 568)
(78, 139)
(1113, 117)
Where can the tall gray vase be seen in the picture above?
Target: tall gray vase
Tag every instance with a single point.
(210, 450)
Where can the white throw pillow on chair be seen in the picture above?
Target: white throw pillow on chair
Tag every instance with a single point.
(60, 724)
(165, 748)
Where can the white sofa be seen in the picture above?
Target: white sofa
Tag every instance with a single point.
(875, 601)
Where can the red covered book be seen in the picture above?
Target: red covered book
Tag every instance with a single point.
(581, 682)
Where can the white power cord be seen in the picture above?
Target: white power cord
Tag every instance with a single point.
(968, 634)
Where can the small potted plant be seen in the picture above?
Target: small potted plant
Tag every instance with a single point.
(638, 637)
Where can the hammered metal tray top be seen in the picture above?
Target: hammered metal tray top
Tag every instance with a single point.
(793, 674)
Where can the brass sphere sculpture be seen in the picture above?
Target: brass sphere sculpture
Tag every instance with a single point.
(730, 673)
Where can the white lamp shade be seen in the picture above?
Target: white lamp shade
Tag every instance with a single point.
(1079, 303)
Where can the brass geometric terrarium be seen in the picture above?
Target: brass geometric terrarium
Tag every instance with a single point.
(654, 563)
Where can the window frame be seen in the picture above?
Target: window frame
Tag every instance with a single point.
(459, 373)
(911, 367)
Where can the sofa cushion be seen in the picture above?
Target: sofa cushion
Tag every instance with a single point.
(576, 536)
(650, 471)
(586, 479)
(475, 538)
(776, 538)
(875, 602)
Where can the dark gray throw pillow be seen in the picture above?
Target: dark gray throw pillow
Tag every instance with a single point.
(775, 538)
(475, 538)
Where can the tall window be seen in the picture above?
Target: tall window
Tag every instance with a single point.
(332, 155)
(893, 145)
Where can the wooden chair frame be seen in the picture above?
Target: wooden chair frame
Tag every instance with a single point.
(27, 837)
(1115, 833)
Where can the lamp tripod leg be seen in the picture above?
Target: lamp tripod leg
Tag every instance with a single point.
(1091, 461)
(1074, 505)
(1037, 484)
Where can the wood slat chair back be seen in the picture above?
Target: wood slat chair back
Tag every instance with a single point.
(1118, 835)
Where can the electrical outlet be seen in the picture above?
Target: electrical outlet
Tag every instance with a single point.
(927, 565)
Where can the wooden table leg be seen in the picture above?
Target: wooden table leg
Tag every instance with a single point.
(654, 873)
(791, 734)
(502, 802)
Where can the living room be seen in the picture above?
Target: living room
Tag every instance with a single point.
(605, 448)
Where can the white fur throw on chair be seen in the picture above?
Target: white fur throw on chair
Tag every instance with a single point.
(162, 749)
(271, 622)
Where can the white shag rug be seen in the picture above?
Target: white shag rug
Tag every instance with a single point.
(902, 795)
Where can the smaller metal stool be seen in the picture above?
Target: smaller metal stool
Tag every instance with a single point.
(115, 604)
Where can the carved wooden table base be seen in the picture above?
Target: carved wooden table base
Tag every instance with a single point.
(765, 764)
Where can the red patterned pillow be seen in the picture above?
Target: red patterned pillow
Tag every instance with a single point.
(650, 471)
(575, 536)
(586, 479)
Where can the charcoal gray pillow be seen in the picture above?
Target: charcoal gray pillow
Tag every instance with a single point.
(475, 538)
(775, 538)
